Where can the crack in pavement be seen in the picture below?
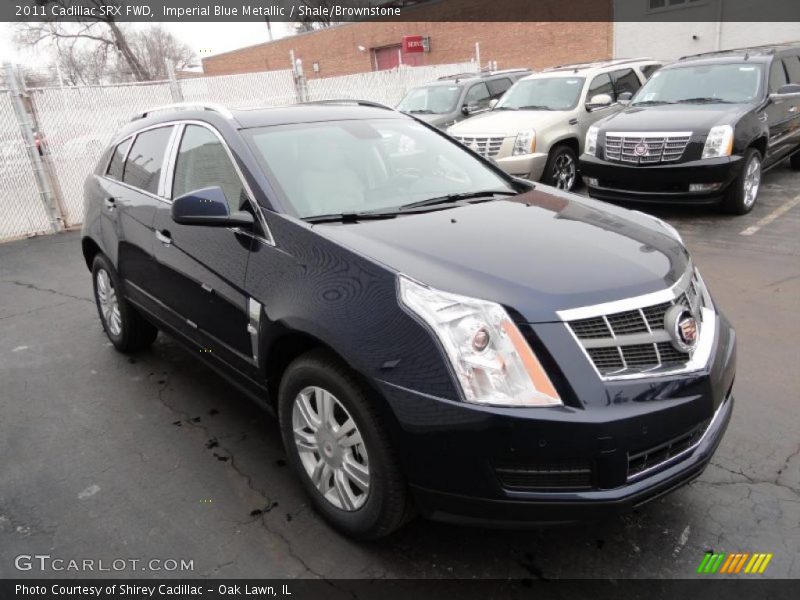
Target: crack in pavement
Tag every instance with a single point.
(187, 418)
(753, 480)
(33, 310)
(31, 286)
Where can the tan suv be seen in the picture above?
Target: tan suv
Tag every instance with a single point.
(538, 127)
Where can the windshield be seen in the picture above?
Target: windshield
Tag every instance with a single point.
(543, 93)
(434, 99)
(361, 166)
(733, 82)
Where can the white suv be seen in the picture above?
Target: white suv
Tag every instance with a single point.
(536, 130)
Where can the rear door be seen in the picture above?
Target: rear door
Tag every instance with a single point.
(792, 65)
(202, 269)
(131, 184)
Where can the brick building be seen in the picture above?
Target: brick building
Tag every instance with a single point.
(449, 37)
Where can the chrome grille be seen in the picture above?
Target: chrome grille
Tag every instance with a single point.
(566, 474)
(657, 455)
(634, 341)
(485, 146)
(646, 148)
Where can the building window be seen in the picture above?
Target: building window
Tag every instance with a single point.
(657, 5)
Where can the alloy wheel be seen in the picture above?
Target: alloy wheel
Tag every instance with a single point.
(564, 172)
(331, 448)
(752, 180)
(109, 303)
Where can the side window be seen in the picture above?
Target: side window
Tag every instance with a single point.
(777, 76)
(143, 167)
(600, 85)
(648, 70)
(792, 64)
(202, 162)
(625, 81)
(498, 87)
(478, 95)
(115, 165)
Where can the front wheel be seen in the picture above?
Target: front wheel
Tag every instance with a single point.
(337, 445)
(742, 194)
(561, 170)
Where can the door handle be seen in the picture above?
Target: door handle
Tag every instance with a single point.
(164, 237)
(793, 109)
(111, 203)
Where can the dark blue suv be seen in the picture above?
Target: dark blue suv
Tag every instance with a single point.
(434, 335)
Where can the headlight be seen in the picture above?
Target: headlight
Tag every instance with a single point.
(490, 358)
(719, 142)
(525, 142)
(590, 147)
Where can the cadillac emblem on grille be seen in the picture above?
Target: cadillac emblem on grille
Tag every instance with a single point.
(640, 149)
(682, 327)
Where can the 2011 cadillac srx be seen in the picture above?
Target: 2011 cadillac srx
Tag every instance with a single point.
(434, 335)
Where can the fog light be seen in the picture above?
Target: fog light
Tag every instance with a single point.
(592, 181)
(704, 187)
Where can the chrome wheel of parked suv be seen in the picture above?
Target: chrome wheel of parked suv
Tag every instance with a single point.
(336, 442)
(127, 329)
(562, 168)
(743, 192)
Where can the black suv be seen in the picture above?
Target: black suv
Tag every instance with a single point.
(434, 335)
(702, 130)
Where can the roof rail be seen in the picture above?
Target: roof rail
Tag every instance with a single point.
(351, 101)
(598, 64)
(763, 48)
(218, 108)
(459, 76)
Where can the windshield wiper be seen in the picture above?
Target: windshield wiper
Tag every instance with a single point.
(449, 198)
(536, 107)
(505, 108)
(704, 100)
(651, 102)
(350, 217)
(420, 111)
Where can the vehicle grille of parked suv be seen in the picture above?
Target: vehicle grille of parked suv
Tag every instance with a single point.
(646, 149)
(485, 146)
(568, 474)
(642, 462)
(614, 342)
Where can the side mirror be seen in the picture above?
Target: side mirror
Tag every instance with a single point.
(598, 101)
(209, 207)
(467, 110)
(790, 90)
(493, 102)
(624, 98)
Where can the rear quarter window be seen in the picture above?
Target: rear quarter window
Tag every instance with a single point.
(143, 167)
(116, 163)
(792, 64)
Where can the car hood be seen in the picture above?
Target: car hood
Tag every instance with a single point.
(536, 253)
(508, 122)
(697, 118)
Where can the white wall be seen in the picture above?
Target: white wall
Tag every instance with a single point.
(698, 27)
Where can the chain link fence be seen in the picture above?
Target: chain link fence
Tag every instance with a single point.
(21, 208)
(75, 124)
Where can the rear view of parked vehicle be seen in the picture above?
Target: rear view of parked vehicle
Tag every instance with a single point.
(536, 130)
(701, 131)
(457, 97)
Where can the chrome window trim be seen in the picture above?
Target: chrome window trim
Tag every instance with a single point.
(167, 171)
(111, 156)
(135, 136)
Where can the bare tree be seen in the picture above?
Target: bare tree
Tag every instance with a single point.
(154, 46)
(102, 30)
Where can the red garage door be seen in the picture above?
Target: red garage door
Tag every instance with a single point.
(387, 57)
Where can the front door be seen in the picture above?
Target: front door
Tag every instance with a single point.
(202, 269)
(778, 116)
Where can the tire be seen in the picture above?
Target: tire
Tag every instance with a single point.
(738, 198)
(794, 161)
(127, 329)
(314, 380)
(561, 170)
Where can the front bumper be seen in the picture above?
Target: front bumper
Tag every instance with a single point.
(451, 450)
(528, 166)
(663, 183)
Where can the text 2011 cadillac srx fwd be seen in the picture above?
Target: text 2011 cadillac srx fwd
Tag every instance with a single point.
(434, 335)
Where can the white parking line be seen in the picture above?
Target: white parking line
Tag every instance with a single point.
(771, 216)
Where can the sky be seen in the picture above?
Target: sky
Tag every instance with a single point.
(204, 38)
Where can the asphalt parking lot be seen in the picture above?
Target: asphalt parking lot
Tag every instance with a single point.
(106, 456)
